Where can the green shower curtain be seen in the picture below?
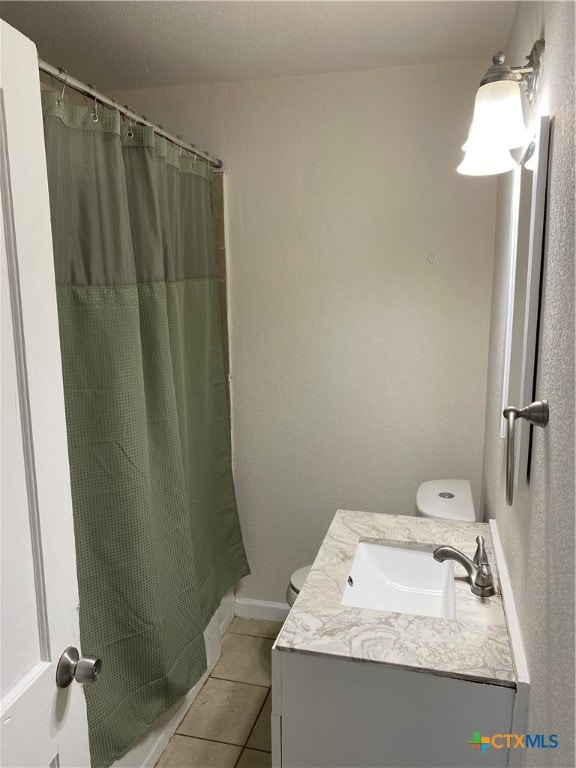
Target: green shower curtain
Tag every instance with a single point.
(157, 533)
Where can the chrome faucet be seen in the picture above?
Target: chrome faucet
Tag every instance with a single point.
(478, 569)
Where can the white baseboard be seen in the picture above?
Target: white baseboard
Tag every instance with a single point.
(260, 609)
(145, 754)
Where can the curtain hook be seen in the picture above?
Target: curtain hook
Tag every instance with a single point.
(63, 72)
(94, 114)
(129, 132)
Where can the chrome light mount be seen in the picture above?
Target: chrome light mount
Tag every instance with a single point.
(528, 75)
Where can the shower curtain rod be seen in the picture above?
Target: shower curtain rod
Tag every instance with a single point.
(78, 85)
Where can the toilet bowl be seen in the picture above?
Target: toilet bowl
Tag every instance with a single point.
(441, 499)
(296, 583)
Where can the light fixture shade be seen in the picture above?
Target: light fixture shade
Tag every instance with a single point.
(485, 160)
(498, 119)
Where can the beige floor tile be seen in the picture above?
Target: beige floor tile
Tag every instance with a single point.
(223, 711)
(260, 736)
(253, 759)
(245, 659)
(185, 752)
(255, 627)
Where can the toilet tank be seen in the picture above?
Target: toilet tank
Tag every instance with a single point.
(446, 500)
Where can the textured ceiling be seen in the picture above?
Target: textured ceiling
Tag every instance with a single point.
(130, 45)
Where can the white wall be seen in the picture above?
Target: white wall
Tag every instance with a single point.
(358, 368)
(538, 530)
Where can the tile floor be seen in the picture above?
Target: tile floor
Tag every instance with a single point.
(228, 725)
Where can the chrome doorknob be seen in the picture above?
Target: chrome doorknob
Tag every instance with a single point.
(72, 667)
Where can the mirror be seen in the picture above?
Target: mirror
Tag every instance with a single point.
(524, 290)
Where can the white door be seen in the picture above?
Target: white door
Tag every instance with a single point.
(41, 724)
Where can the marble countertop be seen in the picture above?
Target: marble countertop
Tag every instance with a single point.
(474, 646)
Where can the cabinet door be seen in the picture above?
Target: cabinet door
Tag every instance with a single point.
(337, 714)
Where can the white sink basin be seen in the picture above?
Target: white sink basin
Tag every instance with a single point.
(400, 577)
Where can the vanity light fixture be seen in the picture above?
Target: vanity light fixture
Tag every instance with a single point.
(498, 122)
(486, 160)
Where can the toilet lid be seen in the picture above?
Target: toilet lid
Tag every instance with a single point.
(299, 577)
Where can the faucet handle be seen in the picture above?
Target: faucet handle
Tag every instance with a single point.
(483, 576)
(480, 557)
(483, 582)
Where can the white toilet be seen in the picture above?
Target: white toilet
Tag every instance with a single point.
(296, 583)
(442, 499)
(446, 500)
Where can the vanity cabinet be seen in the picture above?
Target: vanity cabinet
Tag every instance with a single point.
(338, 713)
(354, 687)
